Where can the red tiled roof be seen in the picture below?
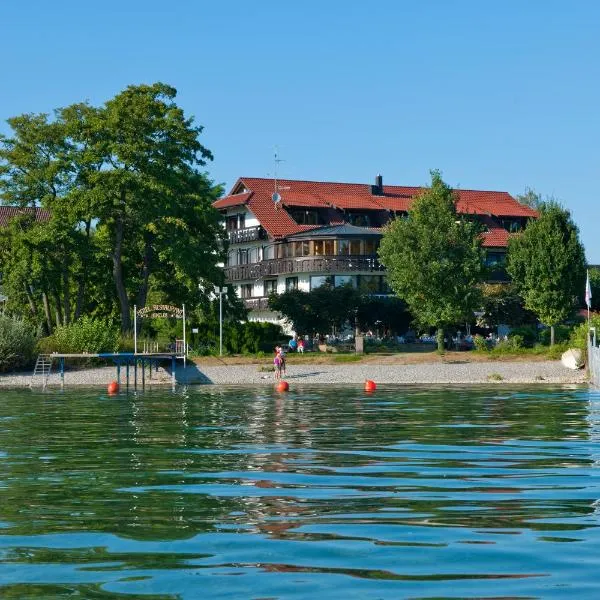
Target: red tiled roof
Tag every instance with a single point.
(232, 200)
(347, 196)
(496, 237)
(10, 212)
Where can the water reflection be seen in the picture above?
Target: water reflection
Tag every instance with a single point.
(410, 492)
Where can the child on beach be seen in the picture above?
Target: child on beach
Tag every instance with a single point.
(277, 365)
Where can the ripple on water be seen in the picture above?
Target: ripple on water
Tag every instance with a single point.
(235, 492)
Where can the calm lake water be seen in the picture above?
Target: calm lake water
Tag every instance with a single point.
(208, 492)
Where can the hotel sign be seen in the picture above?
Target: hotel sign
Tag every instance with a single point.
(161, 311)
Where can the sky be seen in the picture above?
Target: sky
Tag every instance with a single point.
(496, 95)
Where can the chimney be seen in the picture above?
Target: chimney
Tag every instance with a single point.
(377, 189)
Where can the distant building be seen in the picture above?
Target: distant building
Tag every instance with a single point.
(305, 234)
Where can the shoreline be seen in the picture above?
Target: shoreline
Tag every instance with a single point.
(422, 373)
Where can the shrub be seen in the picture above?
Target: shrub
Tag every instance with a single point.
(480, 343)
(527, 333)
(561, 334)
(514, 342)
(17, 343)
(85, 335)
(579, 334)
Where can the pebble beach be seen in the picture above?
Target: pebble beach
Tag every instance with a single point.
(489, 372)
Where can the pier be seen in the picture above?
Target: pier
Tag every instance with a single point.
(122, 360)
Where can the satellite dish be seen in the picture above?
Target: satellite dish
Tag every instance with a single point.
(276, 197)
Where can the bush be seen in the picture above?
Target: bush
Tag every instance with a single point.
(17, 343)
(527, 333)
(561, 334)
(480, 343)
(238, 338)
(86, 335)
(579, 334)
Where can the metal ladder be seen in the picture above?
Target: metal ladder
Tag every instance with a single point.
(43, 366)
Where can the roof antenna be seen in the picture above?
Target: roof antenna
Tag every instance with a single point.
(276, 197)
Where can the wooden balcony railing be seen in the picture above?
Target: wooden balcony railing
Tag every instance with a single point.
(256, 303)
(307, 264)
(247, 234)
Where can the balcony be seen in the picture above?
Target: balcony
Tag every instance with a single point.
(256, 303)
(308, 264)
(247, 234)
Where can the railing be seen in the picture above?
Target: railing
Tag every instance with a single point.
(593, 358)
(256, 303)
(308, 264)
(247, 234)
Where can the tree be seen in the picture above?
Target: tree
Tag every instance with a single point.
(595, 287)
(502, 305)
(128, 200)
(547, 265)
(318, 311)
(530, 198)
(435, 259)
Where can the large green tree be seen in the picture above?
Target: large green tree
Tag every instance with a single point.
(547, 265)
(434, 259)
(128, 199)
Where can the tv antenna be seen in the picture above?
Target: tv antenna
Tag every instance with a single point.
(276, 195)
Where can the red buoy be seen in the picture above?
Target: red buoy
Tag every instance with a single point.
(113, 387)
(283, 386)
(370, 385)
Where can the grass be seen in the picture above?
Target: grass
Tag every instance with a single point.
(495, 377)
(347, 358)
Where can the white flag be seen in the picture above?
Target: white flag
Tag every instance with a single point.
(588, 291)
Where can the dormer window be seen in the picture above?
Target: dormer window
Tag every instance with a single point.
(306, 216)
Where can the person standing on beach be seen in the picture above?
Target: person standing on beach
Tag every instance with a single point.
(277, 364)
(301, 346)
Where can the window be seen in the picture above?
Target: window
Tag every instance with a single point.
(242, 257)
(341, 280)
(495, 259)
(343, 247)
(233, 222)
(359, 219)
(323, 248)
(268, 252)
(301, 248)
(318, 281)
(270, 287)
(246, 290)
(291, 283)
(370, 284)
(371, 247)
(305, 217)
(284, 250)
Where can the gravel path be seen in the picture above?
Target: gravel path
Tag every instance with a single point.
(424, 373)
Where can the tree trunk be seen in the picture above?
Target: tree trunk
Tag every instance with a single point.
(81, 289)
(440, 339)
(118, 275)
(46, 305)
(31, 299)
(57, 308)
(66, 295)
(551, 335)
(142, 295)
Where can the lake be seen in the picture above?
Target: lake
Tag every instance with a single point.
(324, 492)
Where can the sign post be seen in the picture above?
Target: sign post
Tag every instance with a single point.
(134, 329)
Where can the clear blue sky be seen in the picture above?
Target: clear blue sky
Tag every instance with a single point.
(497, 95)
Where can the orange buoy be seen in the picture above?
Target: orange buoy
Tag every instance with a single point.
(370, 385)
(283, 386)
(113, 387)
